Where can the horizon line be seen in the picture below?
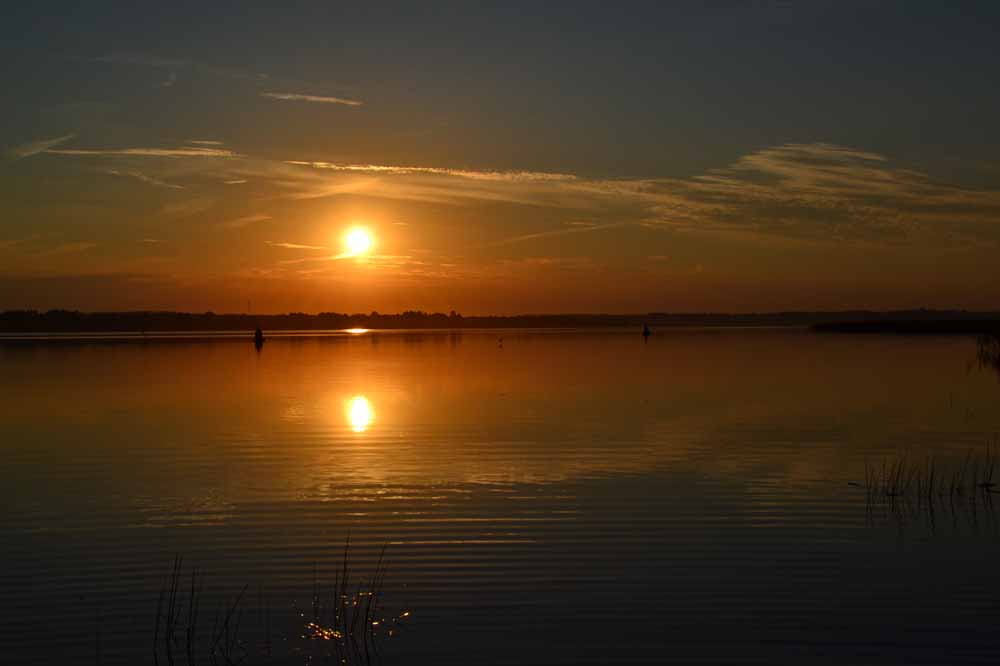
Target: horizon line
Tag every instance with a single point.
(457, 314)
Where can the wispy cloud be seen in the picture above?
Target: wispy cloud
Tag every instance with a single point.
(143, 59)
(152, 241)
(576, 229)
(501, 176)
(146, 179)
(295, 246)
(319, 99)
(35, 147)
(204, 142)
(187, 208)
(829, 191)
(817, 192)
(395, 261)
(147, 152)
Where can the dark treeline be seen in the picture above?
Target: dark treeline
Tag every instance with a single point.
(976, 326)
(66, 321)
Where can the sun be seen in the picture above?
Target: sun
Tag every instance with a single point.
(358, 241)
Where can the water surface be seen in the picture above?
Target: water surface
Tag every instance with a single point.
(557, 497)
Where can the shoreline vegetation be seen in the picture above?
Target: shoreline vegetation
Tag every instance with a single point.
(904, 489)
(345, 624)
(908, 322)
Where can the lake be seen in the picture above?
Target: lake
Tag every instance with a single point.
(542, 497)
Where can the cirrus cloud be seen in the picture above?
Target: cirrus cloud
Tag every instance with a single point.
(318, 99)
(188, 151)
(35, 147)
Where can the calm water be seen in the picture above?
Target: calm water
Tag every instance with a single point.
(566, 497)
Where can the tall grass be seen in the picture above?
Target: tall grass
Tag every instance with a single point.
(926, 481)
(346, 622)
(904, 488)
(989, 352)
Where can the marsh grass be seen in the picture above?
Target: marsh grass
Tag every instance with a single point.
(347, 615)
(905, 488)
(347, 618)
(989, 352)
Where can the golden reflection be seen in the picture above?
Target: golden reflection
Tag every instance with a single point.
(357, 331)
(360, 413)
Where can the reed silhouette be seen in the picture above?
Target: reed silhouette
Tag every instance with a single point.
(904, 489)
(346, 621)
(988, 353)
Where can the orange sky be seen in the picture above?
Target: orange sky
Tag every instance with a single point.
(599, 168)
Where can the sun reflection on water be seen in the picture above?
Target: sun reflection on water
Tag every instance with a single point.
(360, 413)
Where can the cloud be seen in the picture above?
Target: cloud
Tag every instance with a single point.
(148, 152)
(152, 241)
(142, 59)
(189, 207)
(310, 180)
(320, 99)
(815, 192)
(559, 232)
(35, 147)
(402, 265)
(146, 179)
(501, 176)
(204, 142)
(306, 260)
(803, 191)
(829, 191)
(295, 246)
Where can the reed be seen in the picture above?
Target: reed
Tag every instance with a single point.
(904, 489)
(347, 619)
(902, 477)
(989, 351)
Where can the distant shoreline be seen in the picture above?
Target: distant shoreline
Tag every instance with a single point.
(913, 327)
(940, 322)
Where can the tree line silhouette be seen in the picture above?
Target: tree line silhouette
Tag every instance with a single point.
(908, 321)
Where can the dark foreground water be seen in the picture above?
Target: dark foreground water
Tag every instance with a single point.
(565, 497)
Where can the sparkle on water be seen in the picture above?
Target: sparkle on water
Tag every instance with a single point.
(360, 413)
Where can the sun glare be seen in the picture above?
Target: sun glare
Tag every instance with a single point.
(360, 413)
(358, 241)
